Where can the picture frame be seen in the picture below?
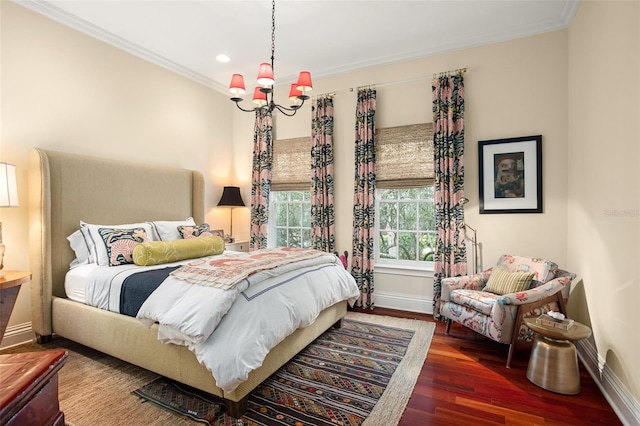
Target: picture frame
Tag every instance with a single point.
(218, 232)
(510, 175)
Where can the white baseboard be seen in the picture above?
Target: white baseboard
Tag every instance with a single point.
(17, 334)
(404, 302)
(616, 393)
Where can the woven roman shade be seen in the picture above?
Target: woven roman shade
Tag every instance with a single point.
(291, 164)
(405, 156)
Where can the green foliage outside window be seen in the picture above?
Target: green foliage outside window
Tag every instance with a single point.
(407, 224)
(293, 218)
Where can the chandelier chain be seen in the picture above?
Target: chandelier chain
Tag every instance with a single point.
(273, 31)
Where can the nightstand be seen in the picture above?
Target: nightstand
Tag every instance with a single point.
(9, 288)
(237, 246)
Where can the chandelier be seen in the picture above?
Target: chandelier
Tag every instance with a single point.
(263, 93)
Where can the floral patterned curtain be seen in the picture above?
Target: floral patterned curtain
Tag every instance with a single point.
(448, 138)
(363, 197)
(261, 178)
(322, 210)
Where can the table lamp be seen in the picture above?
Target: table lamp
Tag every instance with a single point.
(231, 198)
(8, 198)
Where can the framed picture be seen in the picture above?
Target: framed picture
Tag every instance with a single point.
(511, 175)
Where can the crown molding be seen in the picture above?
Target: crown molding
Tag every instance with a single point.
(59, 15)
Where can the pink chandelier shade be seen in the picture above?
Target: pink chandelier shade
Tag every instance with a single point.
(263, 93)
(304, 82)
(237, 84)
(265, 75)
(259, 97)
(294, 93)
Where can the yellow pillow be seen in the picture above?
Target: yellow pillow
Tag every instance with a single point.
(503, 281)
(158, 252)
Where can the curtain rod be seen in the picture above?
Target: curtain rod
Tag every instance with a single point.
(329, 95)
(410, 80)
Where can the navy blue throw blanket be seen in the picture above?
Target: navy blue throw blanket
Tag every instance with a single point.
(137, 287)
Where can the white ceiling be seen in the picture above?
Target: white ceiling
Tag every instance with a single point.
(326, 37)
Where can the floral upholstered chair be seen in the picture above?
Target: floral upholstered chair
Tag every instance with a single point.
(493, 302)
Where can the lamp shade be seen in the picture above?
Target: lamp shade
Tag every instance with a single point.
(265, 75)
(237, 84)
(304, 81)
(259, 97)
(294, 93)
(8, 186)
(231, 197)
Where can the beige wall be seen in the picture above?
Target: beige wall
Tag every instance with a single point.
(516, 88)
(63, 90)
(604, 182)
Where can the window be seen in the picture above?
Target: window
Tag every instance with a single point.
(290, 221)
(405, 224)
(290, 197)
(405, 213)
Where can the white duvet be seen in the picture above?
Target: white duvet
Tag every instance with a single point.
(231, 331)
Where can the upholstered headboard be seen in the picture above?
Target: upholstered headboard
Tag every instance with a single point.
(67, 188)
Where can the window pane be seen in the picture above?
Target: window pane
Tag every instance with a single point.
(387, 245)
(427, 216)
(281, 237)
(408, 194)
(388, 215)
(426, 244)
(388, 194)
(306, 215)
(294, 238)
(281, 195)
(408, 216)
(407, 246)
(426, 193)
(281, 215)
(295, 215)
(296, 196)
(306, 238)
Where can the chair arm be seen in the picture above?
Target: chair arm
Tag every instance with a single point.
(470, 282)
(535, 294)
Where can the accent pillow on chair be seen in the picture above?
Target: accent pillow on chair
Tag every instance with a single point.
(502, 281)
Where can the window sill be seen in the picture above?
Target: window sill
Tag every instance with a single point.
(399, 269)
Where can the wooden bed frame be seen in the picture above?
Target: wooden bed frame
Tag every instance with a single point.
(66, 188)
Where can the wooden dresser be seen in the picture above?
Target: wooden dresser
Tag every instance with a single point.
(29, 388)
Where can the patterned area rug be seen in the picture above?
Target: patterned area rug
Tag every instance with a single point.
(337, 379)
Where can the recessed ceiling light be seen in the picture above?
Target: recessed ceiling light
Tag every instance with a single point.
(222, 58)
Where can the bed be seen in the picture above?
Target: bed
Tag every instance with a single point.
(66, 188)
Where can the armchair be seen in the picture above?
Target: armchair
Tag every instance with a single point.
(499, 316)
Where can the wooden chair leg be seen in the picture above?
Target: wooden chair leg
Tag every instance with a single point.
(446, 331)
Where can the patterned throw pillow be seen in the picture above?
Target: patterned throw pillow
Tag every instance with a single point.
(503, 281)
(120, 243)
(195, 231)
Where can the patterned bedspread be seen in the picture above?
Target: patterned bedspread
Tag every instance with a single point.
(226, 272)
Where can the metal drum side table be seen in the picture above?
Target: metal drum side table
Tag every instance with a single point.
(553, 364)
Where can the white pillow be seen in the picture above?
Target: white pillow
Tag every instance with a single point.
(167, 230)
(96, 243)
(80, 246)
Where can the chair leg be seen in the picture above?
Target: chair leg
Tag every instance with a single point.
(511, 348)
(446, 331)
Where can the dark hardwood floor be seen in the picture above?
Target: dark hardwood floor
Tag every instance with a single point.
(464, 381)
